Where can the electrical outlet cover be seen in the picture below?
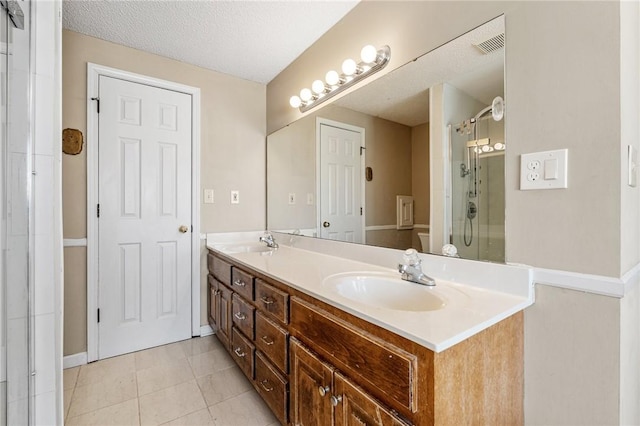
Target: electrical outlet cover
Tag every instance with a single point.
(544, 170)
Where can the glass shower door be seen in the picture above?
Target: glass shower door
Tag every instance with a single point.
(16, 383)
(477, 193)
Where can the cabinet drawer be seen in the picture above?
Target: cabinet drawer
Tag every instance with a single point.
(383, 369)
(242, 283)
(273, 387)
(243, 315)
(220, 269)
(272, 301)
(273, 341)
(243, 351)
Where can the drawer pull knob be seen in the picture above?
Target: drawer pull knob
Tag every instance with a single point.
(335, 400)
(322, 390)
(267, 340)
(239, 283)
(267, 300)
(239, 352)
(265, 385)
(217, 292)
(240, 316)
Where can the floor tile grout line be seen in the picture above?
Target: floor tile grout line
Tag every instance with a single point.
(101, 408)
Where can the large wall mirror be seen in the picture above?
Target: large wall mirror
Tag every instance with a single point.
(412, 159)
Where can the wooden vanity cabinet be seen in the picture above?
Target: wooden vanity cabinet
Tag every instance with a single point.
(213, 313)
(273, 386)
(321, 395)
(356, 408)
(224, 315)
(311, 386)
(315, 364)
(243, 315)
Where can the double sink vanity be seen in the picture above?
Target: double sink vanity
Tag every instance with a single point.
(328, 333)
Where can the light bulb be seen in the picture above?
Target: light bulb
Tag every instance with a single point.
(306, 95)
(487, 148)
(369, 54)
(349, 67)
(332, 78)
(318, 86)
(499, 146)
(295, 102)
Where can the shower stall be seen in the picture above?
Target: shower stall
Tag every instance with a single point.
(16, 292)
(477, 148)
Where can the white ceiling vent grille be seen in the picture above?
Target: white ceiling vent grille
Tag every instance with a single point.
(491, 45)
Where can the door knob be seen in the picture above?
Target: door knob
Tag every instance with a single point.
(183, 229)
(326, 224)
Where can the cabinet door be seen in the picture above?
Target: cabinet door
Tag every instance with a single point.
(355, 408)
(212, 309)
(224, 312)
(310, 388)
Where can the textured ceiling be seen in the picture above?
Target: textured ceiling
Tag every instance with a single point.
(253, 40)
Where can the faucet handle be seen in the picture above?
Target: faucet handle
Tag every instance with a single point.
(410, 257)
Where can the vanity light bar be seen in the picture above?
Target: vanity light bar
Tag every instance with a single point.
(372, 61)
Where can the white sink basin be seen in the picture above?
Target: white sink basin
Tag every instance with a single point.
(245, 248)
(381, 290)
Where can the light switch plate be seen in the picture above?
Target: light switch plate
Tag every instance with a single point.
(292, 198)
(208, 196)
(632, 155)
(235, 197)
(544, 170)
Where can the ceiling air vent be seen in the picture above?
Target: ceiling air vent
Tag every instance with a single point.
(491, 45)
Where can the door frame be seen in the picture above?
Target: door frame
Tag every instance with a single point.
(94, 71)
(319, 122)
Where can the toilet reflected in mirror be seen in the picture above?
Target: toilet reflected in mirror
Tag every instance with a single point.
(425, 242)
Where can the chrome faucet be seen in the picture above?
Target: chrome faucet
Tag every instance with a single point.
(267, 238)
(411, 269)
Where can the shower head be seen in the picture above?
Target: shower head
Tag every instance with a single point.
(496, 109)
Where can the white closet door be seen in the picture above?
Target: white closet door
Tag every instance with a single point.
(145, 216)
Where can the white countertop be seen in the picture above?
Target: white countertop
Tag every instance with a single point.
(469, 309)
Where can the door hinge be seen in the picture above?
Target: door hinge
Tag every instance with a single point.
(360, 211)
(97, 99)
(98, 210)
(98, 314)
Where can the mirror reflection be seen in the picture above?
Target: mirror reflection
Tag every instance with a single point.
(412, 159)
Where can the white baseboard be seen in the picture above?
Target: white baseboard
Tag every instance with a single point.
(74, 360)
(206, 330)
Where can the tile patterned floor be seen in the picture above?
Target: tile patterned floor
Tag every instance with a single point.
(193, 382)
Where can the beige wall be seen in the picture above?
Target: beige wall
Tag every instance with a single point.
(563, 90)
(232, 153)
(75, 300)
(630, 357)
(572, 358)
(548, 47)
(420, 179)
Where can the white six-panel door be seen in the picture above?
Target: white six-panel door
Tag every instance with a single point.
(340, 190)
(144, 199)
